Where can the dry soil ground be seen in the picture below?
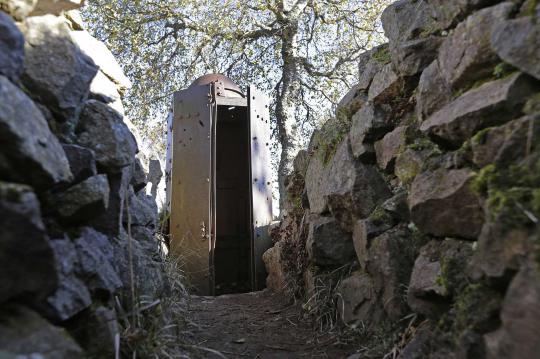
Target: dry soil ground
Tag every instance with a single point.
(257, 325)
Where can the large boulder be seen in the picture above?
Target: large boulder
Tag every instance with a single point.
(27, 263)
(102, 57)
(31, 153)
(24, 334)
(56, 72)
(407, 20)
(327, 243)
(520, 317)
(102, 129)
(18, 9)
(11, 48)
(433, 91)
(516, 42)
(443, 204)
(55, 7)
(82, 162)
(82, 201)
(96, 263)
(466, 56)
(71, 296)
(490, 104)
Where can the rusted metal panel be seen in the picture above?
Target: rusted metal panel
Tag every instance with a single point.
(261, 193)
(191, 219)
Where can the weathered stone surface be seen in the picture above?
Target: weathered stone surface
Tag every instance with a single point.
(110, 221)
(25, 334)
(443, 204)
(96, 270)
(26, 257)
(449, 13)
(505, 144)
(154, 176)
(102, 57)
(408, 19)
(520, 318)
(391, 146)
(95, 330)
(327, 243)
(433, 91)
(32, 154)
(409, 164)
(370, 63)
(56, 72)
(18, 9)
(301, 162)
(71, 296)
(369, 124)
(55, 7)
(138, 176)
(82, 201)
(466, 56)
(351, 102)
(411, 57)
(82, 162)
(386, 85)
(103, 89)
(516, 42)
(11, 48)
(390, 263)
(439, 271)
(357, 301)
(352, 188)
(142, 210)
(103, 130)
(273, 261)
(491, 104)
(75, 19)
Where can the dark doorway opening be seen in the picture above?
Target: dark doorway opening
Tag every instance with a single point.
(232, 253)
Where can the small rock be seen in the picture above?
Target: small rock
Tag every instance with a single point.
(82, 162)
(407, 20)
(369, 124)
(491, 104)
(55, 7)
(56, 72)
(103, 89)
(18, 9)
(277, 279)
(466, 56)
(25, 251)
(11, 48)
(102, 129)
(72, 296)
(386, 85)
(142, 210)
(370, 63)
(449, 13)
(138, 176)
(33, 154)
(82, 201)
(391, 146)
(443, 204)
(327, 244)
(96, 270)
(102, 57)
(357, 301)
(26, 335)
(433, 91)
(520, 317)
(516, 42)
(411, 57)
(351, 102)
(409, 164)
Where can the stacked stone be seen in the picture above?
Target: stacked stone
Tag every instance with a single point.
(70, 185)
(427, 181)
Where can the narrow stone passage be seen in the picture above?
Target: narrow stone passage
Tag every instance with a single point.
(257, 325)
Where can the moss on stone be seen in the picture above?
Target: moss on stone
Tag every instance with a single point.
(382, 56)
(480, 183)
(476, 307)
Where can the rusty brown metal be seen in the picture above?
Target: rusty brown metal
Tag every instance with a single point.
(191, 185)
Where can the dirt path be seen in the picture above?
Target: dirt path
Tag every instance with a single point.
(257, 325)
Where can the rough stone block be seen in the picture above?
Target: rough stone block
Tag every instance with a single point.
(327, 243)
(357, 303)
(386, 85)
(391, 146)
(32, 153)
(11, 48)
(407, 20)
(443, 204)
(411, 57)
(433, 91)
(82, 162)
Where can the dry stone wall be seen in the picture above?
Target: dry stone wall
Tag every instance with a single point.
(76, 226)
(420, 199)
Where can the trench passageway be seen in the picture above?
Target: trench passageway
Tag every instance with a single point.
(257, 325)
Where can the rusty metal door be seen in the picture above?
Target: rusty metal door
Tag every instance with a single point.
(191, 214)
(261, 193)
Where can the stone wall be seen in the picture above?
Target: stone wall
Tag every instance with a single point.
(77, 246)
(421, 198)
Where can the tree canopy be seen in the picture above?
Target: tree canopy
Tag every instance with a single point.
(302, 53)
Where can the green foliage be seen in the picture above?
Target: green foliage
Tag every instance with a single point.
(475, 307)
(503, 69)
(382, 56)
